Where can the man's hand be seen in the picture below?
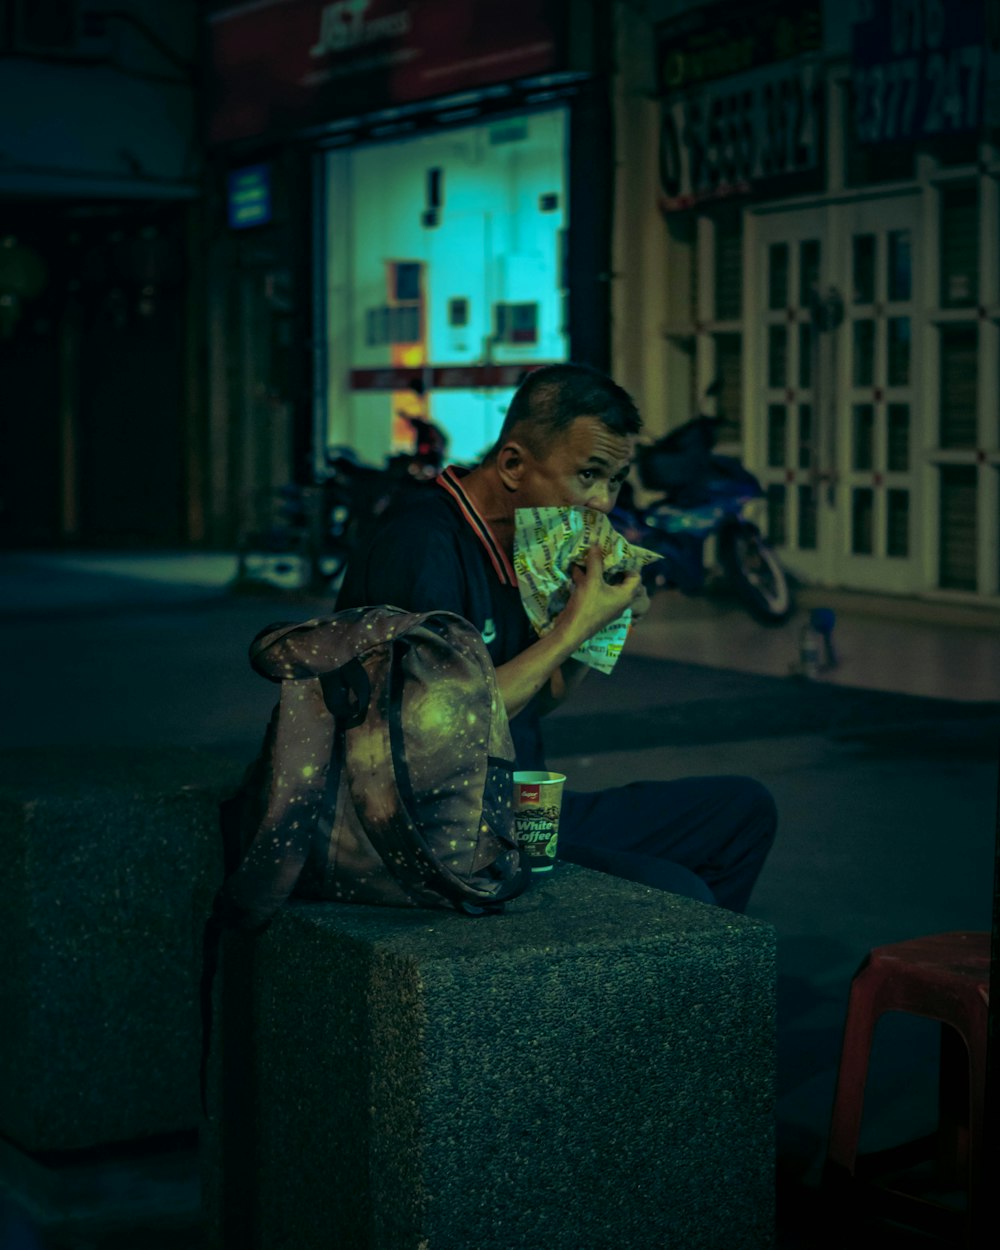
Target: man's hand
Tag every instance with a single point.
(595, 602)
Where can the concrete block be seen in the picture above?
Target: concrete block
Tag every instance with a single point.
(593, 1069)
(102, 853)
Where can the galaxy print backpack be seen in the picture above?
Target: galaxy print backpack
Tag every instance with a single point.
(386, 773)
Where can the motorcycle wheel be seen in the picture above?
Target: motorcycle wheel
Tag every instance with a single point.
(756, 575)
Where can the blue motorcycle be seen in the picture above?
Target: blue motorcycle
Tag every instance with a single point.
(703, 494)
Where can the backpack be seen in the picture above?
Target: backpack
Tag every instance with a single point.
(385, 776)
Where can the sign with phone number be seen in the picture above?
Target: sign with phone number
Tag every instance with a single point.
(918, 70)
(738, 132)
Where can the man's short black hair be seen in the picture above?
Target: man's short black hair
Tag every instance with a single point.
(550, 399)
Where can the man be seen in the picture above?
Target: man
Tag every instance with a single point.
(566, 441)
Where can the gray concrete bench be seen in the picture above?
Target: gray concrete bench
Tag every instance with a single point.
(594, 1069)
(102, 852)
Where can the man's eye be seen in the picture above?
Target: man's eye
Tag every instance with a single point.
(587, 475)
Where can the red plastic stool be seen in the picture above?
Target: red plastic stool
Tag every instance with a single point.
(946, 978)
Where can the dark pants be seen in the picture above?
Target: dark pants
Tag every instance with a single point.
(704, 837)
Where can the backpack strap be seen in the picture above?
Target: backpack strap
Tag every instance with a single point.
(262, 882)
(393, 831)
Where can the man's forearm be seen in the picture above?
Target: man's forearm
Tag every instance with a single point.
(538, 668)
(561, 685)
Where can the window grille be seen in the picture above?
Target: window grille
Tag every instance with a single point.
(728, 370)
(957, 536)
(729, 267)
(958, 381)
(897, 540)
(959, 243)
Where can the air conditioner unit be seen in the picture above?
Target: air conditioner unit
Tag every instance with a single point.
(516, 323)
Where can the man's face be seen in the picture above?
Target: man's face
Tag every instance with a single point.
(584, 467)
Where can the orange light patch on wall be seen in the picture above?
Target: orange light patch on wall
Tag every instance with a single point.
(408, 346)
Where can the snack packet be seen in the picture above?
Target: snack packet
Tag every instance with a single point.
(547, 543)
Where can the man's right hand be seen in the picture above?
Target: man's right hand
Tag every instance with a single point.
(595, 602)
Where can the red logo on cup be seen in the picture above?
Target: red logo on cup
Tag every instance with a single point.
(531, 794)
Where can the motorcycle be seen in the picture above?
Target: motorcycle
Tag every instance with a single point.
(704, 495)
(316, 529)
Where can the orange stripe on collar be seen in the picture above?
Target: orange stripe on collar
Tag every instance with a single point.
(451, 481)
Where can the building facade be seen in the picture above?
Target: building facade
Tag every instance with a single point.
(100, 183)
(807, 211)
(414, 202)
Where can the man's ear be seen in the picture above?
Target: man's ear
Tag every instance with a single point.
(511, 465)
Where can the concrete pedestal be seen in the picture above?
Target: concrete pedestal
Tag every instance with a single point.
(102, 853)
(595, 1068)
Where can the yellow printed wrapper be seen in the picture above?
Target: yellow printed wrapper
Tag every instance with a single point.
(547, 543)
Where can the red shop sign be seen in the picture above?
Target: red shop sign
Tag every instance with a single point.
(280, 65)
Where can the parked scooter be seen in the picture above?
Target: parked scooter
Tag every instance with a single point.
(704, 495)
(316, 529)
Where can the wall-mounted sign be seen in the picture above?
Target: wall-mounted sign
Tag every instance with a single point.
(741, 103)
(918, 70)
(283, 65)
(248, 196)
(711, 42)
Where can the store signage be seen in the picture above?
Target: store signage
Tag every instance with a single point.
(918, 69)
(248, 197)
(740, 103)
(738, 133)
(716, 41)
(278, 66)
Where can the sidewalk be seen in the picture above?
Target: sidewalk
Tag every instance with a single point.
(882, 643)
(909, 646)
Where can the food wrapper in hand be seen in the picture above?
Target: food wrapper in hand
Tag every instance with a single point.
(547, 543)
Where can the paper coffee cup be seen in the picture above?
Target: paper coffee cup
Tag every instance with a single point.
(537, 800)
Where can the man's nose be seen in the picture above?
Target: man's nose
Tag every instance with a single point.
(601, 498)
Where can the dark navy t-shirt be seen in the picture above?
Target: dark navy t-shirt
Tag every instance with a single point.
(432, 551)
